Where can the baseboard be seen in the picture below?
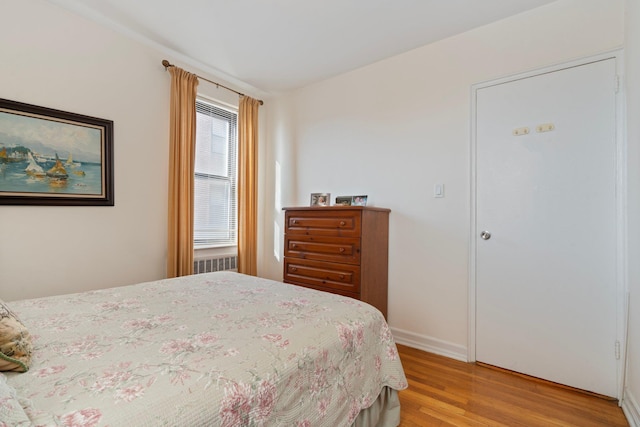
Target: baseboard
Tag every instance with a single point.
(631, 409)
(430, 344)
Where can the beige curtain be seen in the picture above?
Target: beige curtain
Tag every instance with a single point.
(248, 186)
(181, 171)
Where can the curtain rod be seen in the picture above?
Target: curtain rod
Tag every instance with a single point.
(167, 64)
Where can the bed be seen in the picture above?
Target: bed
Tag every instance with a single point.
(217, 349)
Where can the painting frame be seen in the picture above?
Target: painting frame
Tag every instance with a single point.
(24, 126)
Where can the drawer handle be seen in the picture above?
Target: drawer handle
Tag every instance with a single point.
(295, 221)
(342, 223)
(293, 245)
(341, 250)
(294, 269)
(341, 276)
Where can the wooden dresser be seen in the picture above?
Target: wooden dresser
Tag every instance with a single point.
(339, 249)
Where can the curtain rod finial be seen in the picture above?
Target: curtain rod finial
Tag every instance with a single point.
(166, 64)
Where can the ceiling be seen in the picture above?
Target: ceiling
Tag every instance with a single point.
(279, 45)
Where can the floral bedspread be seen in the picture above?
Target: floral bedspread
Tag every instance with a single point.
(218, 349)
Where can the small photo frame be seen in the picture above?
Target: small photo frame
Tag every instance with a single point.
(344, 201)
(320, 199)
(359, 201)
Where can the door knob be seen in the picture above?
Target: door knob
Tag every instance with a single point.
(485, 235)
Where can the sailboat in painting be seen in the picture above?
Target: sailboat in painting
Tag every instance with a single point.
(33, 168)
(58, 171)
(70, 163)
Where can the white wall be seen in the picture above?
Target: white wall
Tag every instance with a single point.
(278, 181)
(55, 59)
(632, 54)
(394, 129)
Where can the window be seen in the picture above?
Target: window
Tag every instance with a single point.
(215, 185)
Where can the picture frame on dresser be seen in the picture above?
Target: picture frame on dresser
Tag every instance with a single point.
(320, 199)
(344, 200)
(360, 200)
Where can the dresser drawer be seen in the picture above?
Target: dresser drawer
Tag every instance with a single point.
(343, 277)
(323, 248)
(320, 222)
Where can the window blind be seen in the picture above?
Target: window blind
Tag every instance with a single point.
(215, 183)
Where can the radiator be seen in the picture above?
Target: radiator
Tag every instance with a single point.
(207, 265)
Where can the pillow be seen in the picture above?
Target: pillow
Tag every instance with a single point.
(15, 342)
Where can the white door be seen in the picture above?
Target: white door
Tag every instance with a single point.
(546, 194)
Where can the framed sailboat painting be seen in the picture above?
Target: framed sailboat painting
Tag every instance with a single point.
(53, 157)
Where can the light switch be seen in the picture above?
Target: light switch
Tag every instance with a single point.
(438, 190)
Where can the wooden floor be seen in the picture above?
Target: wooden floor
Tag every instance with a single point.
(446, 392)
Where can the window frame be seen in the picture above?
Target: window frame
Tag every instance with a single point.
(232, 165)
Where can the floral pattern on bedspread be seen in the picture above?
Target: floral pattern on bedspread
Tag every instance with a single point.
(219, 349)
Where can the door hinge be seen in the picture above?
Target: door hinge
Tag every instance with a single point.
(616, 83)
(617, 350)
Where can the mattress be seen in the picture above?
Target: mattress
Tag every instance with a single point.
(218, 349)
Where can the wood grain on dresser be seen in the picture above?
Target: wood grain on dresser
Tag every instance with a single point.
(339, 249)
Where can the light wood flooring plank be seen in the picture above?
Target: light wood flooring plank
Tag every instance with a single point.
(446, 392)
